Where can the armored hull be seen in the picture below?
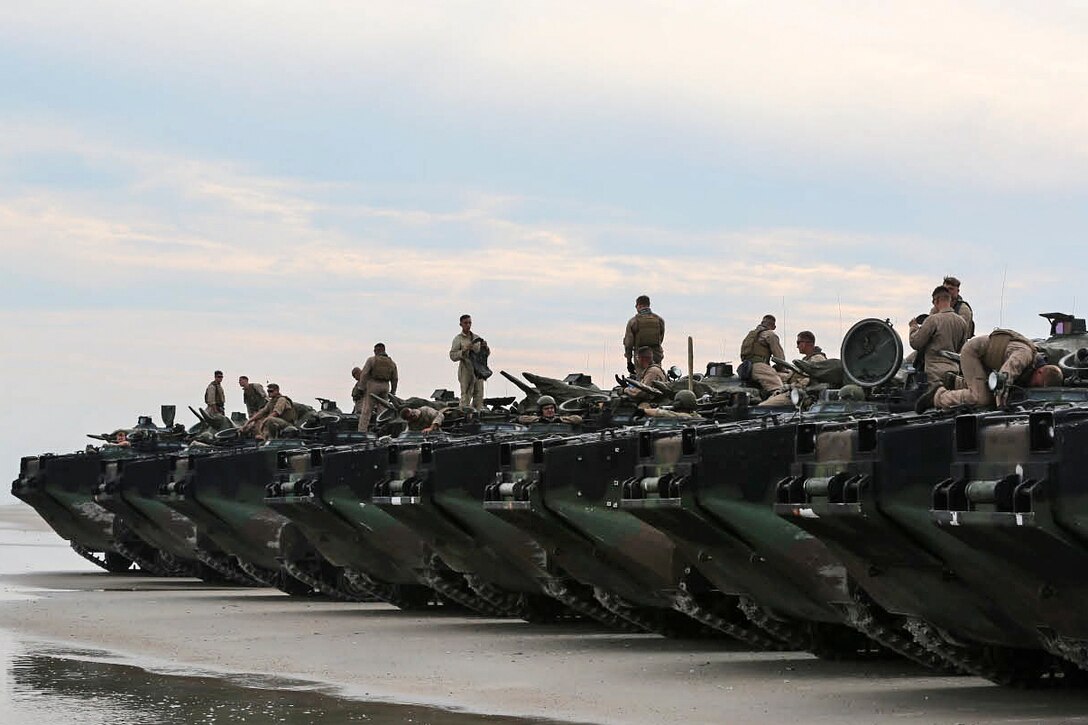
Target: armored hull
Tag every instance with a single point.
(1015, 494)
(428, 488)
(130, 487)
(710, 490)
(223, 493)
(321, 491)
(865, 489)
(61, 488)
(555, 490)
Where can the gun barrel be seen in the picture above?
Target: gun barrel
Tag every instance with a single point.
(521, 385)
(387, 403)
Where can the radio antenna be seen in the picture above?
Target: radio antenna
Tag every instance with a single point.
(1001, 313)
(838, 299)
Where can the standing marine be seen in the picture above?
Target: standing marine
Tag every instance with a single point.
(215, 400)
(645, 329)
(253, 395)
(466, 344)
(358, 391)
(758, 347)
(942, 330)
(959, 305)
(378, 376)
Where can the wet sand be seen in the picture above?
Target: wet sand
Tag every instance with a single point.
(374, 651)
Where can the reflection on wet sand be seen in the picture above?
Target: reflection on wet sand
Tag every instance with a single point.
(56, 685)
(181, 634)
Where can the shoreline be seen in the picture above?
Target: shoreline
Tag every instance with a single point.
(466, 664)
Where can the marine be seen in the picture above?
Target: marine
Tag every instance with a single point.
(758, 347)
(215, 399)
(649, 372)
(277, 414)
(1004, 351)
(424, 419)
(378, 376)
(942, 330)
(959, 305)
(684, 407)
(810, 352)
(253, 395)
(358, 391)
(549, 413)
(464, 344)
(645, 329)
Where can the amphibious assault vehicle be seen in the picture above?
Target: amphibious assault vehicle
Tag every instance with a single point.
(872, 489)
(65, 490)
(845, 524)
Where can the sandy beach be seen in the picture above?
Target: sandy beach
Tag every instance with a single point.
(564, 672)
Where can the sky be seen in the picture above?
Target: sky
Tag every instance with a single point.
(269, 188)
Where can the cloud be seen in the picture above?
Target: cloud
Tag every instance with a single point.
(936, 92)
(118, 301)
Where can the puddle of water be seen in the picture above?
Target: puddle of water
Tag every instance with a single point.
(53, 684)
(58, 684)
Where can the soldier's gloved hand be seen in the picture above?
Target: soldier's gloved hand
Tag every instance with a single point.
(630, 367)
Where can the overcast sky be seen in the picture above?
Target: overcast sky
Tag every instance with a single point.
(269, 188)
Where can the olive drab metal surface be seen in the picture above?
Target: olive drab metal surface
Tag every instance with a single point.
(1014, 493)
(842, 523)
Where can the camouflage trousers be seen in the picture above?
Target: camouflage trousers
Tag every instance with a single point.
(765, 376)
(1018, 357)
(270, 428)
(472, 389)
(937, 366)
(366, 407)
(778, 400)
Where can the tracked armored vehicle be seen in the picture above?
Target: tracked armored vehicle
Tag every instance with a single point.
(437, 487)
(328, 494)
(1014, 495)
(222, 491)
(872, 489)
(711, 489)
(421, 490)
(555, 490)
(63, 489)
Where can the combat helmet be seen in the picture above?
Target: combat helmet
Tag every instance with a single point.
(544, 400)
(851, 392)
(684, 400)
